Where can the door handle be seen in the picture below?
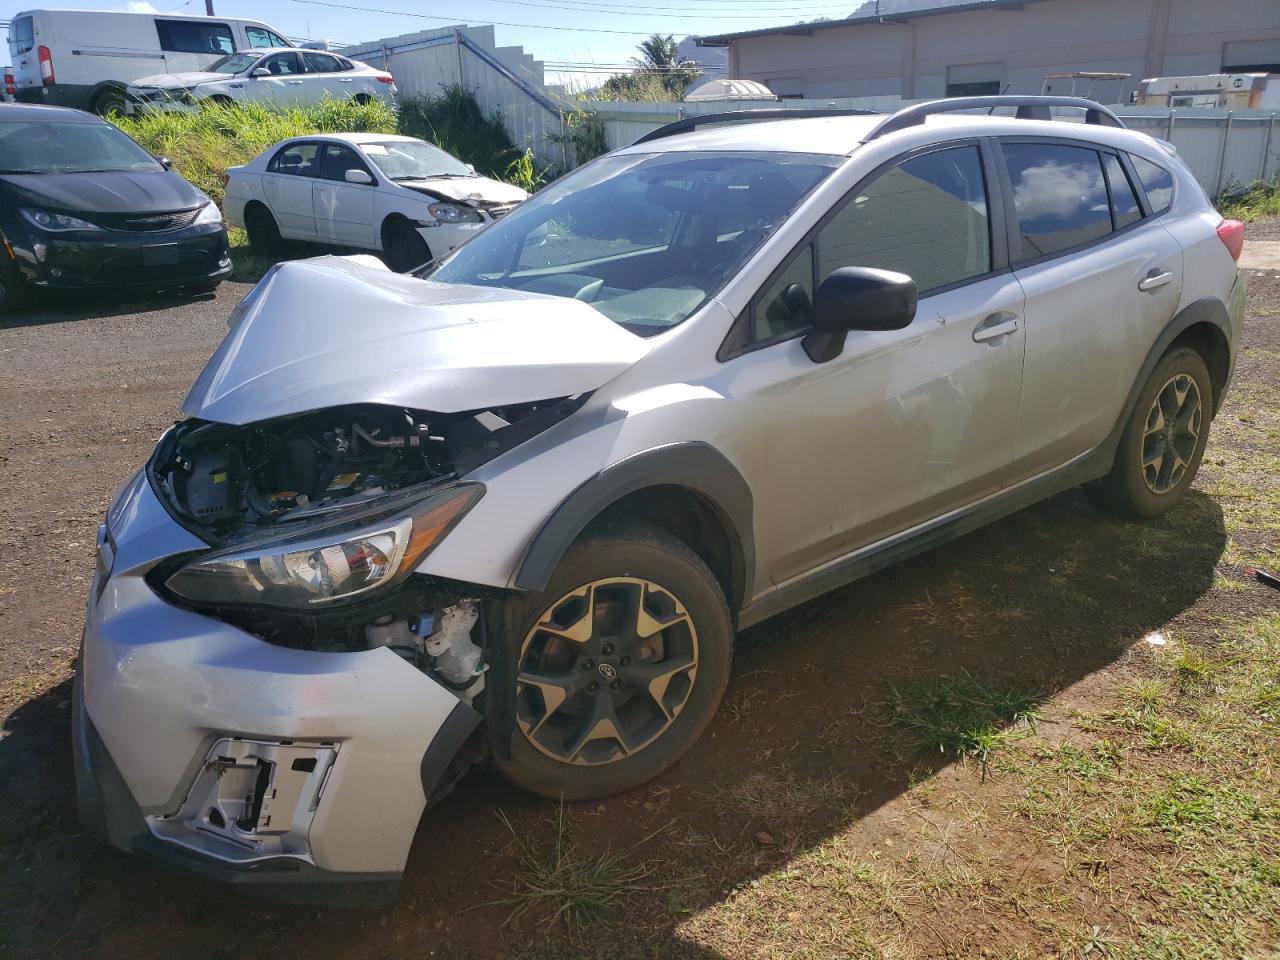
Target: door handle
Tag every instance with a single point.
(996, 325)
(346, 79)
(1154, 279)
(294, 82)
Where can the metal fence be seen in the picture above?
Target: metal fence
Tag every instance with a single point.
(1226, 150)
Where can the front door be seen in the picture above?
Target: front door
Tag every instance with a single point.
(1101, 282)
(288, 184)
(343, 211)
(283, 85)
(903, 425)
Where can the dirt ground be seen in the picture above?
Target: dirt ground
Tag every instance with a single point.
(1120, 800)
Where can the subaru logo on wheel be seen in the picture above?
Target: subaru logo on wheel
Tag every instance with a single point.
(607, 671)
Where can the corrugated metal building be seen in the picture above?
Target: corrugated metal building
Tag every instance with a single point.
(990, 46)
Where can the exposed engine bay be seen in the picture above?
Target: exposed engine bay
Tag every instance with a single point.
(238, 487)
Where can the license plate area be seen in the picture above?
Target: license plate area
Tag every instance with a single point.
(160, 255)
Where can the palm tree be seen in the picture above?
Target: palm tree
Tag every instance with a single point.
(660, 55)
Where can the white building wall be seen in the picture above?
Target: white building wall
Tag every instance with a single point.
(1140, 37)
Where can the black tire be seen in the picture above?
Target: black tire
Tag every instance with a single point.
(222, 103)
(403, 248)
(362, 99)
(661, 706)
(109, 102)
(264, 234)
(1158, 456)
(15, 292)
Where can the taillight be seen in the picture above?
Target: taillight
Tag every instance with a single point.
(1231, 233)
(386, 78)
(46, 67)
(10, 87)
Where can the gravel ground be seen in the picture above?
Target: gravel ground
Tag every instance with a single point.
(86, 386)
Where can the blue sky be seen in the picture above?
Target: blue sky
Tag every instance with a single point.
(586, 31)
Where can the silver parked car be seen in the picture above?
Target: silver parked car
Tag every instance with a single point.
(517, 507)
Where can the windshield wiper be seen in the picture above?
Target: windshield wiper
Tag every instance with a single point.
(14, 173)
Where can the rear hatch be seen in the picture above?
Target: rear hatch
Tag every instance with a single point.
(22, 52)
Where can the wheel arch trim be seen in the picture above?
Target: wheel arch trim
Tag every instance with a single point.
(694, 466)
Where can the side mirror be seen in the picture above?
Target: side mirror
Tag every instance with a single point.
(165, 162)
(358, 176)
(471, 167)
(260, 72)
(857, 298)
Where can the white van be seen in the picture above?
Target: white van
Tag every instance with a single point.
(84, 58)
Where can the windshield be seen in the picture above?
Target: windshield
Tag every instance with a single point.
(414, 160)
(40, 147)
(234, 63)
(645, 239)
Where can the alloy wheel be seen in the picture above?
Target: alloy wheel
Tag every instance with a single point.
(1171, 433)
(605, 671)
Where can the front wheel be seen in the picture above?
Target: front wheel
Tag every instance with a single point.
(1165, 438)
(15, 292)
(403, 248)
(621, 664)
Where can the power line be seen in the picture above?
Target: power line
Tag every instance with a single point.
(498, 23)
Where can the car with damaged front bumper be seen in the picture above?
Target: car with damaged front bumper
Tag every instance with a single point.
(515, 504)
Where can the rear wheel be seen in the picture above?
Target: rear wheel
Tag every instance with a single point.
(264, 234)
(403, 248)
(622, 662)
(362, 99)
(15, 292)
(109, 102)
(1164, 439)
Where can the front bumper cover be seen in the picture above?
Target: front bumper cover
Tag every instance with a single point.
(166, 698)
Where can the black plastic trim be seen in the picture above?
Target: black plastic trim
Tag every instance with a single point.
(458, 725)
(687, 124)
(1029, 108)
(693, 465)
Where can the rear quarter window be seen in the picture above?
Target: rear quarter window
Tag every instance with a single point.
(186, 36)
(1156, 181)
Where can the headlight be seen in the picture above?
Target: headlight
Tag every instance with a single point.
(54, 222)
(454, 213)
(323, 568)
(209, 213)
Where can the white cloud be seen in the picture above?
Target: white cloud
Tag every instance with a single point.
(140, 6)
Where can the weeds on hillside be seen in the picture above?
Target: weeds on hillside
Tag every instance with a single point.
(1260, 200)
(454, 121)
(204, 143)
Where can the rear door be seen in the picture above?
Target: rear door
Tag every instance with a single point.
(287, 185)
(325, 76)
(1101, 281)
(343, 211)
(22, 52)
(192, 45)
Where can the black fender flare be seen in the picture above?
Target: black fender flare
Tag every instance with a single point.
(1207, 310)
(693, 465)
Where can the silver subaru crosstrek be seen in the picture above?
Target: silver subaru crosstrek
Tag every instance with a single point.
(514, 505)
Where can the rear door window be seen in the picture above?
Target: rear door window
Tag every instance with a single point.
(186, 36)
(1157, 181)
(298, 159)
(321, 63)
(1059, 196)
(1124, 203)
(22, 37)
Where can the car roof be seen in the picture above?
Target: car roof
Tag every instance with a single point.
(842, 135)
(359, 138)
(40, 111)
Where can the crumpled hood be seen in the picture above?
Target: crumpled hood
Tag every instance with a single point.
(338, 330)
(480, 189)
(143, 192)
(168, 81)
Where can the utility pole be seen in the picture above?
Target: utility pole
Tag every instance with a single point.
(208, 8)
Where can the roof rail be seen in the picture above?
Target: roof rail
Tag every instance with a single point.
(1029, 108)
(746, 116)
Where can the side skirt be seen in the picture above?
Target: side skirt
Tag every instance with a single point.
(933, 533)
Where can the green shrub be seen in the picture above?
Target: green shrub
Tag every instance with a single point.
(454, 122)
(585, 132)
(203, 144)
(1259, 200)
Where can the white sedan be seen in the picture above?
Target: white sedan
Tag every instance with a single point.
(278, 76)
(400, 196)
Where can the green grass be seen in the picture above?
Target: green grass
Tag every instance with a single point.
(204, 144)
(563, 888)
(959, 717)
(1260, 200)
